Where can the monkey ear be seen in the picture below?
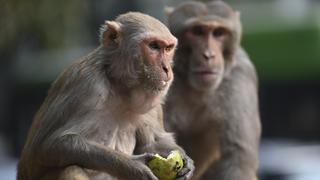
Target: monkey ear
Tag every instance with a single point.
(111, 33)
(168, 10)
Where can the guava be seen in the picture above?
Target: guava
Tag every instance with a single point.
(166, 168)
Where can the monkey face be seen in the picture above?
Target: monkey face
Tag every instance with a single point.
(209, 34)
(157, 55)
(142, 50)
(206, 62)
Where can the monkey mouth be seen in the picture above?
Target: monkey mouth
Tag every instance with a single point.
(158, 87)
(205, 75)
(162, 85)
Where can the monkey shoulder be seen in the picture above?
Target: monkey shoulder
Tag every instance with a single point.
(241, 81)
(239, 88)
(239, 94)
(243, 65)
(82, 78)
(77, 94)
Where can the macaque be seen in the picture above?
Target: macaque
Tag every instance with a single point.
(102, 118)
(212, 106)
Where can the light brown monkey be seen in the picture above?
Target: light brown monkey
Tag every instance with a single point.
(102, 116)
(212, 106)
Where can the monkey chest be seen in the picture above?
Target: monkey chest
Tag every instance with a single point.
(196, 126)
(193, 119)
(121, 139)
(201, 130)
(199, 136)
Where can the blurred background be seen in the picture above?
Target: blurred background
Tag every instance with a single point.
(39, 38)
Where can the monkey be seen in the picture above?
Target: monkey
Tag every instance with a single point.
(102, 117)
(212, 106)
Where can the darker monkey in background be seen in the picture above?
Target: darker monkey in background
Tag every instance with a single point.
(212, 106)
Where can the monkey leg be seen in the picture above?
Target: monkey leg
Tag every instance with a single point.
(68, 173)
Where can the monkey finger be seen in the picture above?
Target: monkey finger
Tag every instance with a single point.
(183, 172)
(144, 158)
(152, 177)
(187, 171)
(148, 175)
(188, 163)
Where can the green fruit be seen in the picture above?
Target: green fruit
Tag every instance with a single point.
(166, 168)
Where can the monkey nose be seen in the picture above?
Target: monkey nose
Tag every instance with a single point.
(208, 55)
(165, 68)
(165, 74)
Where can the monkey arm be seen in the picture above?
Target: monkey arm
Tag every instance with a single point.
(239, 153)
(153, 138)
(163, 144)
(72, 149)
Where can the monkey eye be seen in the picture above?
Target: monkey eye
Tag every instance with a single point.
(154, 45)
(197, 30)
(219, 32)
(169, 48)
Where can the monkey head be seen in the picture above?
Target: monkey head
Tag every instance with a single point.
(209, 35)
(140, 52)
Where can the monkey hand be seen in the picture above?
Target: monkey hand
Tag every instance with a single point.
(187, 171)
(141, 170)
(143, 158)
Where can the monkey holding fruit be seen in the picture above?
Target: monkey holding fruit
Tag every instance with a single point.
(102, 118)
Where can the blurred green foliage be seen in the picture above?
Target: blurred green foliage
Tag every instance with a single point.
(285, 55)
(44, 20)
(280, 54)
